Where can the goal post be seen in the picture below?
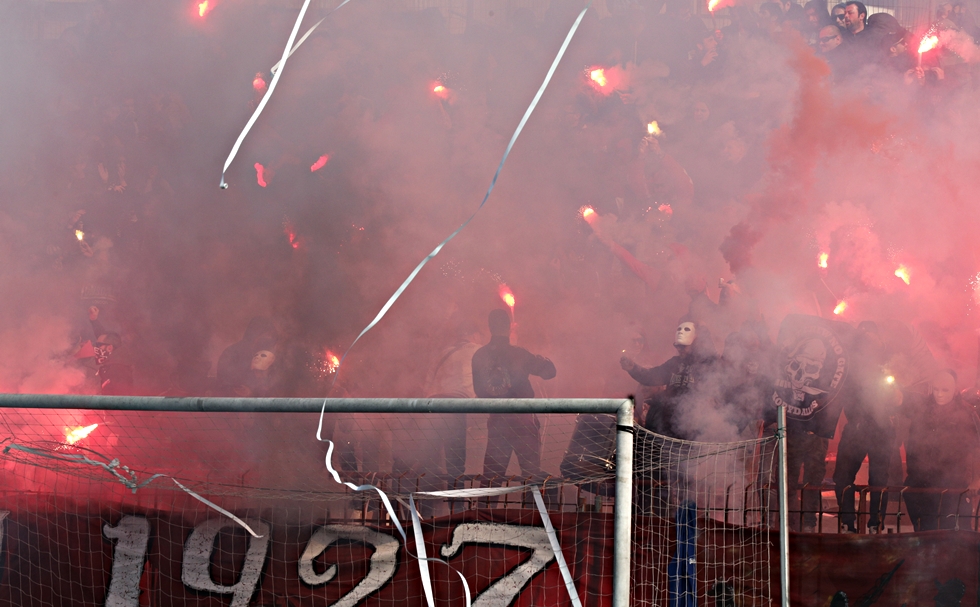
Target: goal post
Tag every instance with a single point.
(620, 408)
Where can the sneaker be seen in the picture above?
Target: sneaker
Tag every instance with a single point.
(847, 530)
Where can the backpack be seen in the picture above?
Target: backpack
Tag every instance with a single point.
(497, 383)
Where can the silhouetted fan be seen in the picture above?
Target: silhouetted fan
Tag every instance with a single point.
(839, 600)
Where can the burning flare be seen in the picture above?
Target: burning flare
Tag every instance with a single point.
(841, 306)
(258, 83)
(203, 8)
(666, 209)
(320, 163)
(598, 75)
(928, 43)
(80, 235)
(890, 380)
(903, 273)
(260, 174)
(713, 5)
(654, 129)
(508, 296)
(440, 91)
(588, 214)
(822, 260)
(332, 361)
(72, 436)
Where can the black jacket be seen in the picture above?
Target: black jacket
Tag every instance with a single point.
(679, 376)
(518, 363)
(942, 442)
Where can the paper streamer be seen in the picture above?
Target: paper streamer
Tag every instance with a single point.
(457, 493)
(130, 481)
(275, 68)
(289, 50)
(493, 182)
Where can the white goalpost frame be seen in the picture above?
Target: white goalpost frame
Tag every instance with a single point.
(623, 409)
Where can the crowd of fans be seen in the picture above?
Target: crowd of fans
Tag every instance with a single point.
(662, 134)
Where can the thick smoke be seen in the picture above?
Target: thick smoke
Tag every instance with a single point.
(125, 111)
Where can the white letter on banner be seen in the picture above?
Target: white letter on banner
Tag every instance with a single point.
(506, 589)
(132, 535)
(196, 571)
(380, 570)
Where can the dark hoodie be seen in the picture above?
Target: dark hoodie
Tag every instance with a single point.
(679, 376)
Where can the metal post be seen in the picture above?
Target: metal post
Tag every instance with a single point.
(623, 512)
(783, 508)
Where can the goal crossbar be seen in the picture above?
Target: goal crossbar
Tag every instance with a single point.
(623, 409)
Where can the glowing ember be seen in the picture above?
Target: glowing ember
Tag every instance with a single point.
(332, 361)
(79, 234)
(438, 88)
(841, 306)
(320, 163)
(928, 43)
(203, 8)
(654, 129)
(588, 214)
(903, 273)
(260, 174)
(890, 380)
(822, 260)
(666, 209)
(258, 83)
(508, 296)
(77, 434)
(598, 76)
(440, 91)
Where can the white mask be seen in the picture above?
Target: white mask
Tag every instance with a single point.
(262, 360)
(686, 332)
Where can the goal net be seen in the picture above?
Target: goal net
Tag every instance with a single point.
(702, 521)
(127, 508)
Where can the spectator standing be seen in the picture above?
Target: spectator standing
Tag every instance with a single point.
(501, 370)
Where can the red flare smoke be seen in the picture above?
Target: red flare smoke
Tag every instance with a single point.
(320, 163)
(260, 175)
(74, 435)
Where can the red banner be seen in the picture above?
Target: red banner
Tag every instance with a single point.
(55, 552)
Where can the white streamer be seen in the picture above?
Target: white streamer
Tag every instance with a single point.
(556, 547)
(216, 507)
(289, 50)
(420, 548)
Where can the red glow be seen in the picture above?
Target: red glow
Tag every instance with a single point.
(440, 91)
(508, 296)
(822, 260)
(714, 5)
(290, 232)
(258, 83)
(588, 214)
(320, 163)
(333, 362)
(666, 209)
(841, 306)
(903, 273)
(204, 8)
(928, 43)
(74, 435)
(598, 75)
(260, 175)
(605, 80)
